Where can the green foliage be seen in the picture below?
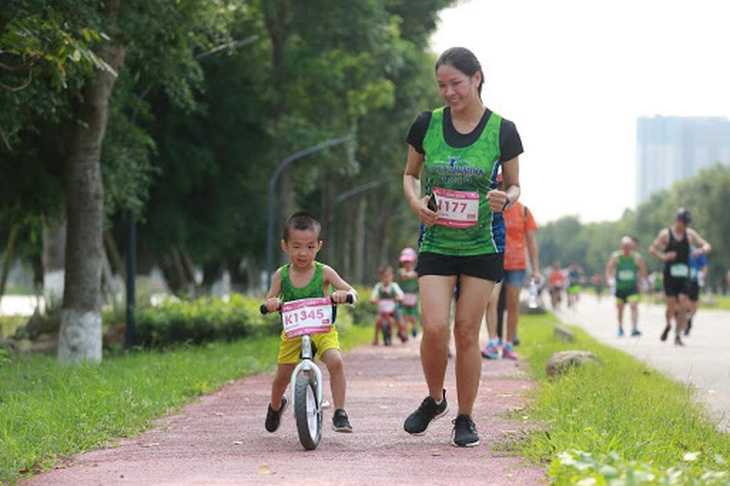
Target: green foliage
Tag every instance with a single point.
(582, 468)
(203, 320)
(707, 195)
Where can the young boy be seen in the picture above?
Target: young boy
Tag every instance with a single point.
(386, 294)
(407, 278)
(303, 278)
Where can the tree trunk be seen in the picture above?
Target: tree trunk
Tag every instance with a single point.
(9, 250)
(327, 217)
(276, 16)
(54, 262)
(80, 336)
(360, 237)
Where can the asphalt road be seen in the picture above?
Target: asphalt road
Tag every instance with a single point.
(704, 361)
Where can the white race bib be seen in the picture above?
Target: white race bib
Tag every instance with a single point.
(386, 306)
(457, 209)
(410, 299)
(679, 270)
(626, 275)
(306, 316)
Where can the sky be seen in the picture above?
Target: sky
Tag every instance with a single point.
(575, 75)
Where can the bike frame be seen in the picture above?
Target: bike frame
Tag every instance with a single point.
(307, 364)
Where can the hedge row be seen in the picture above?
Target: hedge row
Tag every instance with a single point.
(212, 319)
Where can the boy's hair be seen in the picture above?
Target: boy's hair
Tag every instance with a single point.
(301, 220)
(384, 268)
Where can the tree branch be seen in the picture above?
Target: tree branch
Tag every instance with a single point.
(22, 86)
(5, 140)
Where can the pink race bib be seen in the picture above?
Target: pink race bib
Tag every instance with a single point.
(306, 316)
(457, 209)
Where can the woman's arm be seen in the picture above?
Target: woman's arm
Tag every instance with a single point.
(412, 188)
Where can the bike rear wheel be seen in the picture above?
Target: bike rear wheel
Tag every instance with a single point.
(307, 411)
(387, 332)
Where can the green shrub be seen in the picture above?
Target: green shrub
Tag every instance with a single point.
(203, 320)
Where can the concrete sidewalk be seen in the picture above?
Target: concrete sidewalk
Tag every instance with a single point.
(703, 363)
(222, 440)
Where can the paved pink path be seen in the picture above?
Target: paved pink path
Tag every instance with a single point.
(221, 440)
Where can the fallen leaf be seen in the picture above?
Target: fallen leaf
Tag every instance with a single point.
(265, 471)
(237, 442)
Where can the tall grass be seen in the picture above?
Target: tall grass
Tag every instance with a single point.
(620, 407)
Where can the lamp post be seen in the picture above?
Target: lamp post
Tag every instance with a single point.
(272, 186)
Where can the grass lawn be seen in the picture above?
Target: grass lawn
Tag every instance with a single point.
(619, 419)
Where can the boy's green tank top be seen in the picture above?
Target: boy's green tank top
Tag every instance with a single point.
(315, 287)
(627, 272)
(474, 169)
(409, 286)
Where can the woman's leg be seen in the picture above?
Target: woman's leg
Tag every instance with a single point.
(436, 294)
(473, 295)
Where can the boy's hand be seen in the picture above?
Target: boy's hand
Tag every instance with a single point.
(273, 304)
(340, 296)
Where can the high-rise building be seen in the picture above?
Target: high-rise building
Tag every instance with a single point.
(672, 148)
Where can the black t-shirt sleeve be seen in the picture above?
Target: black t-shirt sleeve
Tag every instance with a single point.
(418, 131)
(510, 143)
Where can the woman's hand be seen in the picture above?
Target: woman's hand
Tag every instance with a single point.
(427, 216)
(497, 200)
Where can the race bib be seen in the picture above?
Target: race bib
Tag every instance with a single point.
(410, 299)
(306, 316)
(386, 306)
(626, 275)
(679, 270)
(457, 209)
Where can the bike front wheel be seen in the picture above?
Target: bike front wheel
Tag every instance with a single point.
(307, 411)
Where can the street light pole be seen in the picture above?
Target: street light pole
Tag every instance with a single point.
(271, 206)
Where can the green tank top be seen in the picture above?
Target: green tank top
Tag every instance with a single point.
(315, 287)
(474, 169)
(627, 272)
(409, 286)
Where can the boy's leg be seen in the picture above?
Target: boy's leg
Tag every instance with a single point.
(332, 358)
(281, 382)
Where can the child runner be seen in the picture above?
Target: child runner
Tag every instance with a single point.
(408, 281)
(302, 278)
(386, 294)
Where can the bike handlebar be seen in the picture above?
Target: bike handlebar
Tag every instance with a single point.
(350, 300)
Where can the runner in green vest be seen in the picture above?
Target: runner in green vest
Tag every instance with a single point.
(625, 268)
(460, 148)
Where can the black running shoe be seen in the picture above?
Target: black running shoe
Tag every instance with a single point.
(340, 422)
(417, 423)
(273, 417)
(688, 328)
(665, 333)
(465, 432)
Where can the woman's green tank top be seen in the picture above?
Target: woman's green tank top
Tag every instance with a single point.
(473, 168)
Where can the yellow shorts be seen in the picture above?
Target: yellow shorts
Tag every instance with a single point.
(290, 349)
